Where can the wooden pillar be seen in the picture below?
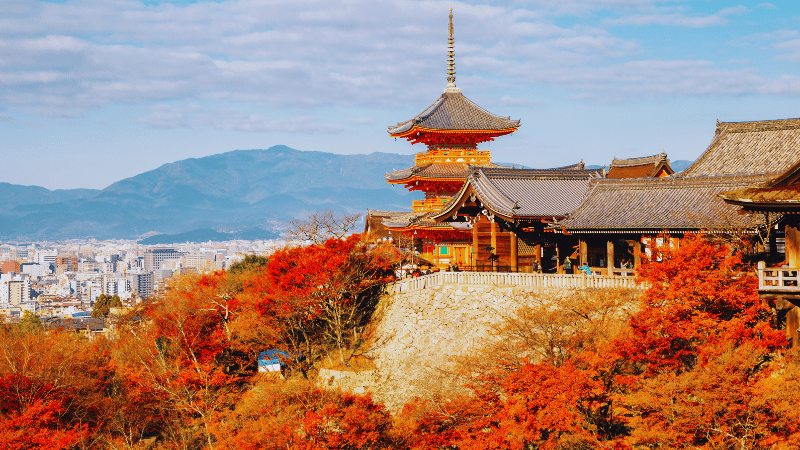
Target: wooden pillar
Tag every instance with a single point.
(792, 245)
(637, 254)
(494, 237)
(583, 250)
(474, 256)
(773, 245)
(514, 261)
(610, 256)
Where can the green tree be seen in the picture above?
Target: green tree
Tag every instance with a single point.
(250, 262)
(104, 303)
(30, 322)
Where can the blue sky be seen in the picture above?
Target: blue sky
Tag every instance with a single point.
(95, 91)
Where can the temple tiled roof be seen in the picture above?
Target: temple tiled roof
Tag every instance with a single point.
(644, 167)
(658, 204)
(453, 111)
(781, 194)
(769, 146)
(520, 193)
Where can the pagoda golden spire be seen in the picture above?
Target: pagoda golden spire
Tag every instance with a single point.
(451, 59)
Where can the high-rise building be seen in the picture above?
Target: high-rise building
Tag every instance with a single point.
(153, 258)
(15, 288)
(142, 283)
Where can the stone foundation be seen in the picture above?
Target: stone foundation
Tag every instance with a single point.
(421, 336)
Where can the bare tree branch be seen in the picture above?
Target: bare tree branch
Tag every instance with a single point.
(319, 226)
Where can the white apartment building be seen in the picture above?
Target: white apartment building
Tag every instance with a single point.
(15, 288)
(153, 258)
(47, 258)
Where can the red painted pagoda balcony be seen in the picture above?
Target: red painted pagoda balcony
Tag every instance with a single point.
(778, 280)
(453, 155)
(429, 204)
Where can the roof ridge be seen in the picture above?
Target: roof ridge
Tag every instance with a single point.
(702, 180)
(762, 125)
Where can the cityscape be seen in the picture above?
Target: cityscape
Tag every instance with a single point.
(63, 280)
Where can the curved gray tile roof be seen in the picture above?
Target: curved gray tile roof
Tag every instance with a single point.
(453, 111)
(661, 204)
(521, 193)
(768, 146)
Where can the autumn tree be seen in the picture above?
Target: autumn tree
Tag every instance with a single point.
(303, 416)
(178, 351)
(324, 294)
(53, 389)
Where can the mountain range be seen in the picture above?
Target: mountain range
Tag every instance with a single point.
(242, 193)
(229, 192)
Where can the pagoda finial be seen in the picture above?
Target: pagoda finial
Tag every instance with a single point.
(451, 59)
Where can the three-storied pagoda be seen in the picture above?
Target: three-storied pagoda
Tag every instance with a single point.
(452, 127)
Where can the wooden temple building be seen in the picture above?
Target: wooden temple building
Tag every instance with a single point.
(779, 285)
(623, 218)
(482, 216)
(451, 128)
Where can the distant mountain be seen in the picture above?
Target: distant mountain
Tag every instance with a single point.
(13, 195)
(228, 193)
(207, 234)
(680, 165)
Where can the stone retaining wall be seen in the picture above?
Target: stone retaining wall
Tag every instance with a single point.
(421, 335)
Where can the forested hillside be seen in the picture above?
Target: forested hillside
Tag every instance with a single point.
(696, 363)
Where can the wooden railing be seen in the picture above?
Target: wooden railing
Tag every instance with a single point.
(566, 281)
(778, 278)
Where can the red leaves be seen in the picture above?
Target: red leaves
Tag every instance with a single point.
(700, 298)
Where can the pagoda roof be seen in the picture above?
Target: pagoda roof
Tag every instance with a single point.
(768, 146)
(643, 167)
(524, 193)
(660, 204)
(434, 170)
(455, 112)
(781, 194)
(424, 220)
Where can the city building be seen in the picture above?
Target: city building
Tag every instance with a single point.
(154, 258)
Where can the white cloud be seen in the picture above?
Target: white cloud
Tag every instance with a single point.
(195, 117)
(361, 121)
(678, 19)
(65, 59)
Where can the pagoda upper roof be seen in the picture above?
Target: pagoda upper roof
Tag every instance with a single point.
(767, 146)
(454, 112)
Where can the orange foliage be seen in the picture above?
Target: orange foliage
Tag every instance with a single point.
(695, 366)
